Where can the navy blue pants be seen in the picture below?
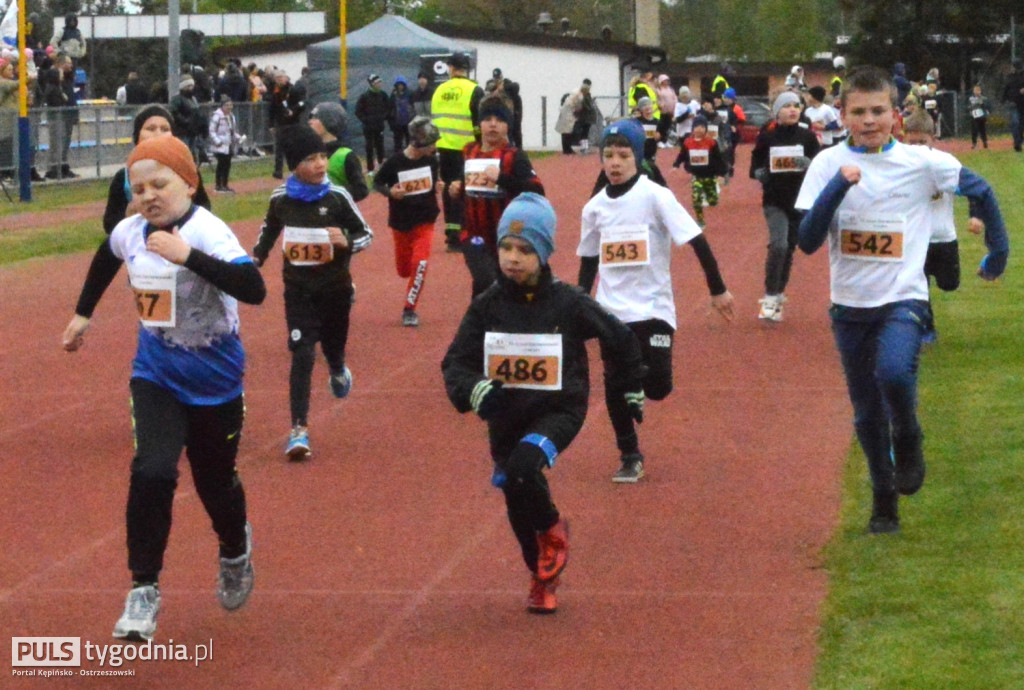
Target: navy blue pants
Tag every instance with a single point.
(880, 357)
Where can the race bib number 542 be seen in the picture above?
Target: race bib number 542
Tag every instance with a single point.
(871, 237)
(524, 360)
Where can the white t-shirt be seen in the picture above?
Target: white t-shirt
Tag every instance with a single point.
(826, 115)
(878, 238)
(686, 126)
(633, 235)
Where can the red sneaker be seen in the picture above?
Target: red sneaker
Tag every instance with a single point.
(554, 550)
(542, 596)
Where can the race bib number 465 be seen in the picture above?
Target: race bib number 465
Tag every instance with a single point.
(524, 360)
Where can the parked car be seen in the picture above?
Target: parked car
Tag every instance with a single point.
(758, 114)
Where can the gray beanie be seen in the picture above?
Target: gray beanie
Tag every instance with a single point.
(332, 117)
(784, 99)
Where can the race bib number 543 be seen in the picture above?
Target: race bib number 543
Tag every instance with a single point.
(524, 360)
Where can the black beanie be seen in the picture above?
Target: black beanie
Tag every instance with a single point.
(146, 113)
(298, 142)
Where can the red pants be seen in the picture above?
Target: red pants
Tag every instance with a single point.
(412, 251)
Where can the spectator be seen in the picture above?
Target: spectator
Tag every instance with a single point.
(584, 113)
(189, 121)
(8, 116)
(565, 125)
(795, 80)
(899, 79)
(63, 121)
(511, 90)
(400, 112)
(423, 94)
(224, 142)
(257, 87)
(286, 104)
(372, 110)
(70, 41)
(232, 84)
(1013, 93)
(667, 100)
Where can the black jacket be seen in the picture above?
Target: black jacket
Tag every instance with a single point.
(372, 109)
(780, 189)
(551, 307)
(336, 209)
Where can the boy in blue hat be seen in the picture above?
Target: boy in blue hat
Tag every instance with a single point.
(519, 361)
(627, 234)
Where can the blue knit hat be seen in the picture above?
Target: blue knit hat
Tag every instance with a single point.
(634, 133)
(530, 217)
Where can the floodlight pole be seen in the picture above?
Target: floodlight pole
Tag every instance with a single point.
(343, 71)
(173, 47)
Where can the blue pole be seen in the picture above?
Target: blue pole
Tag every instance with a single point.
(24, 159)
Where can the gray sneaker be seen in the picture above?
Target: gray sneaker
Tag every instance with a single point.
(410, 318)
(138, 622)
(632, 469)
(236, 576)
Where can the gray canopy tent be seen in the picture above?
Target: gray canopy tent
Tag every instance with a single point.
(390, 46)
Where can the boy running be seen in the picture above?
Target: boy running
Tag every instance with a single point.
(627, 234)
(322, 229)
(519, 361)
(870, 198)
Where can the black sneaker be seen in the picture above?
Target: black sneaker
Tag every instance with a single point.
(632, 469)
(410, 318)
(908, 457)
(885, 517)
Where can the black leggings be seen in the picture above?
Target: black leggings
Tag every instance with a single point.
(223, 170)
(655, 338)
(209, 435)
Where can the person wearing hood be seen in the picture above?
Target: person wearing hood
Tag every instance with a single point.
(899, 79)
(519, 361)
(626, 236)
(343, 165)
(70, 41)
(400, 112)
(321, 228)
(423, 94)
(779, 161)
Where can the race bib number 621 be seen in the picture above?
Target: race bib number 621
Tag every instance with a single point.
(524, 360)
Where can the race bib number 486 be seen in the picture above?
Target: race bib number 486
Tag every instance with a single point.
(524, 360)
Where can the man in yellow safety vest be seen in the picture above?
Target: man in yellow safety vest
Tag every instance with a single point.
(454, 112)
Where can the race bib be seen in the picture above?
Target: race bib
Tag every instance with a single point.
(524, 360)
(931, 104)
(871, 237)
(156, 298)
(978, 112)
(307, 246)
(785, 159)
(625, 245)
(476, 182)
(417, 181)
(651, 131)
(700, 157)
(713, 132)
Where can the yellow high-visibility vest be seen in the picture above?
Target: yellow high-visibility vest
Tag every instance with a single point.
(646, 88)
(449, 109)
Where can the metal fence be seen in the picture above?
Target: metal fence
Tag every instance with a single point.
(95, 136)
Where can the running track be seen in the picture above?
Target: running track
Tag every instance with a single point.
(387, 562)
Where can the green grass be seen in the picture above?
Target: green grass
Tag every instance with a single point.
(939, 605)
(83, 235)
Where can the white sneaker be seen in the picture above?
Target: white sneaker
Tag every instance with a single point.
(236, 576)
(771, 308)
(138, 622)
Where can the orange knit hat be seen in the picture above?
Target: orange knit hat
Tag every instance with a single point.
(169, 151)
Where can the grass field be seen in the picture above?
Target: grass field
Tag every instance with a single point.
(938, 605)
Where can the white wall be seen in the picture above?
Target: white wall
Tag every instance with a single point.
(547, 73)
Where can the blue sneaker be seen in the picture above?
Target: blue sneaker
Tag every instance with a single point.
(297, 449)
(341, 383)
